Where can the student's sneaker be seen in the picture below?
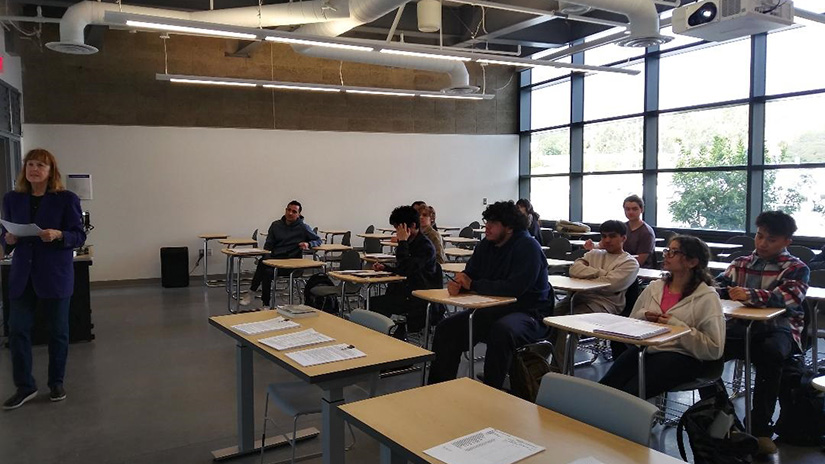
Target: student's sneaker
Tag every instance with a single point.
(57, 393)
(246, 299)
(19, 399)
(766, 446)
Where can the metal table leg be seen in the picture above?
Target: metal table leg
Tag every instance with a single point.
(642, 384)
(291, 280)
(747, 379)
(815, 341)
(245, 398)
(425, 343)
(471, 350)
(343, 298)
(332, 426)
(205, 263)
(229, 283)
(238, 285)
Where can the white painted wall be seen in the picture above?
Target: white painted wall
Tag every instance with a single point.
(156, 186)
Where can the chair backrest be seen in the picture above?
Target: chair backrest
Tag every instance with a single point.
(350, 260)
(817, 278)
(630, 296)
(584, 400)
(744, 240)
(372, 320)
(558, 248)
(546, 236)
(255, 234)
(372, 245)
(466, 232)
(802, 252)
(735, 254)
(347, 239)
(475, 225)
(370, 229)
(576, 254)
(665, 234)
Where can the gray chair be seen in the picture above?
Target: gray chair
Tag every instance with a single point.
(576, 254)
(710, 373)
(598, 405)
(350, 260)
(370, 229)
(802, 252)
(466, 232)
(744, 240)
(734, 254)
(373, 245)
(665, 234)
(299, 398)
(558, 248)
(547, 236)
(475, 225)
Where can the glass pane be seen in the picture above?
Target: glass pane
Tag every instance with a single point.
(611, 53)
(550, 106)
(551, 196)
(550, 152)
(541, 74)
(702, 200)
(792, 67)
(800, 193)
(602, 196)
(711, 74)
(707, 138)
(607, 95)
(613, 145)
(795, 130)
(678, 40)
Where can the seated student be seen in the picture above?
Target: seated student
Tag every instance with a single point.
(426, 215)
(770, 277)
(683, 298)
(818, 263)
(287, 238)
(641, 240)
(508, 262)
(608, 264)
(533, 223)
(414, 259)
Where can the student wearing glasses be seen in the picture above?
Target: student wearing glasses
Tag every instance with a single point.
(684, 297)
(287, 238)
(641, 240)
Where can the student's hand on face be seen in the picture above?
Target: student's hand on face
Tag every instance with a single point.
(303, 245)
(453, 288)
(664, 319)
(377, 267)
(738, 293)
(588, 245)
(402, 232)
(652, 316)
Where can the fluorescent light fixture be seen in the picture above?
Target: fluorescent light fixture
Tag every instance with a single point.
(380, 92)
(178, 80)
(316, 43)
(436, 56)
(453, 97)
(190, 30)
(300, 87)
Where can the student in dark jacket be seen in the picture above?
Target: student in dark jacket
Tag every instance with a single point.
(41, 270)
(533, 222)
(287, 238)
(818, 263)
(416, 260)
(508, 262)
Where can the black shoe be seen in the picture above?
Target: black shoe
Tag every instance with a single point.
(19, 399)
(57, 393)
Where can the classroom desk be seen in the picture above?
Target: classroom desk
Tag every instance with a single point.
(444, 233)
(236, 242)
(819, 383)
(457, 253)
(816, 294)
(327, 248)
(409, 422)
(377, 257)
(388, 230)
(717, 266)
(480, 230)
(449, 228)
(441, 295)
(453, 268)
(382, 352)
(233, 255)
(582, 324)
(376, 236)
(329, 234)
(206, 238)
(388, 243)
(552, 262)
(461, 240)
(293, 265)
(736, 310)
(650, 274)
(365, 281)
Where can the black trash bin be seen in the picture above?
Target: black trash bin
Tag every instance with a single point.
(174, 267)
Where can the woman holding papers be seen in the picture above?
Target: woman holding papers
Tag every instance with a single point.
(685, 298)
(41, 270)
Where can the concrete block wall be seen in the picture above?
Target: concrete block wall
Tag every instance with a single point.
(117, 87)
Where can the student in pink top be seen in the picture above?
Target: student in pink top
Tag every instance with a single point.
(685, 298)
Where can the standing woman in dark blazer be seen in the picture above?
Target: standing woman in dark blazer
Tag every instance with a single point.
(41, 269)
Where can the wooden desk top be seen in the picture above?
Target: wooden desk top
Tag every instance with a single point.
(295, 263)
(444, 233)
(421, 418)
(815, 293)
(244, 251)
(480, 230)
(579, 323)
(460, 240)
(577, 242)
(718, 266)
(558, 262)
(650, 274)
(440, 295)
(389, 230)
(449, 228)
(332, 247)
(383, 351)
(818, 383)
(453, 268)
(366, 280)
(458, 252)
(723, 246)
(213, 236)
(737, 310)
(237, 241)
(378, 236)
(332, 232)
(388, 243)
(377, 257)
(575, 285)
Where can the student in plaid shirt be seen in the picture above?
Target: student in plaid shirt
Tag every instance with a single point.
(770, 277)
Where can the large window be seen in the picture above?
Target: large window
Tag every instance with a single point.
(799, 192)
(702, 199)
(709, 138)
(603, 195)
(550, 152)
(608, 95)
(550, 105)
(613, 146)
(794, 62)
(794, 131)
(551, 196)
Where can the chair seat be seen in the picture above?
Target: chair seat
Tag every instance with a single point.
(294, 398)
(325, 290)
(710, 373)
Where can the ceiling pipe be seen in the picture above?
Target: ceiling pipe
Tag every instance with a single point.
(642, 17)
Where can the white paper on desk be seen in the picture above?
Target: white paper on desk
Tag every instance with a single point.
(601, 319)
(249, 250)
(325, 354)
(635, 329)
(252, 328)
(379, 256)
(21, 230)
(296, 339)
(488, 446)
(471, 299)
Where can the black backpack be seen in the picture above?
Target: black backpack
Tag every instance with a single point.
(528, 367)
(801, 414)
(736, 447)
(328, 303)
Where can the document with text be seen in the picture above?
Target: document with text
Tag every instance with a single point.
(488, 446)
(296, 339)
(278, 323)
(325, 354)
(21, 230)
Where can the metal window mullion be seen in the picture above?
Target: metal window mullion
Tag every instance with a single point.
(756, 131)
(524, 112)
(524, 165)
(650, 144)
(576, 140)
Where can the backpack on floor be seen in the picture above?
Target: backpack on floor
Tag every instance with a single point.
(715, 433)
(801, 414)
(327, 303)
(527, 368)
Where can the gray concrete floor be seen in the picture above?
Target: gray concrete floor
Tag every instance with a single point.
(157, 385)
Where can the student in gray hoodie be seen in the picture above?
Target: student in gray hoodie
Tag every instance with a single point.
(683, 298)
(287, 238)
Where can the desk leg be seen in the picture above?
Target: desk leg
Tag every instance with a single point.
(748, 399)
(389, 457)
(568, 361)
(343, 299)
(332, 426)
(238, 285)
(291, 274)
(425, 343)
(642, 384)
(369, 292)
(229, 283)
(205, 263)
(814, 342)
(245, 399)
(471, 349)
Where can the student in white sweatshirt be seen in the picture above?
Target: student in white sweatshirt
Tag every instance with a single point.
(684, 298)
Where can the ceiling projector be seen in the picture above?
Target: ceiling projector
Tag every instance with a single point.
(720, 20)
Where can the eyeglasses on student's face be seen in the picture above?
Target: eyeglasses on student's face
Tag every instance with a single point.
(672, 252)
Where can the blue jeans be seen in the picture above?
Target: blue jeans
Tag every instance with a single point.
(21, 320)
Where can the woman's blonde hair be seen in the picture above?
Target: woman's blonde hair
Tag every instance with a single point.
(55, 182)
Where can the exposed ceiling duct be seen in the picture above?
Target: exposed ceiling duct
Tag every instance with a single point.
(642, 16)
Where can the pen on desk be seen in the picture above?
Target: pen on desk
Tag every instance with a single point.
(348, 347)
